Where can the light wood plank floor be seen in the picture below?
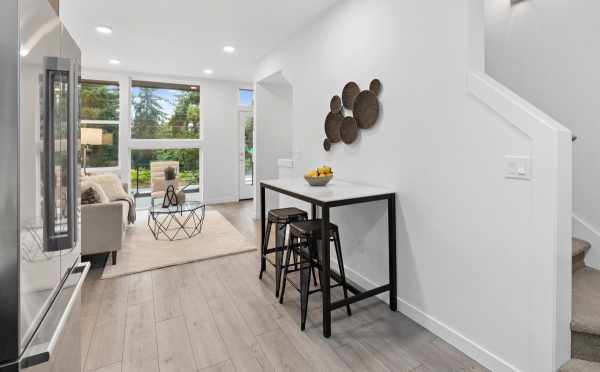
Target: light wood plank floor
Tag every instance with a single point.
(217, 316)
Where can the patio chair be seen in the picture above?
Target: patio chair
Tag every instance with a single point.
(157, 178)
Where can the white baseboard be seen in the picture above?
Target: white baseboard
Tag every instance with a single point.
(584, 230)
(435, 326)
(221, 199)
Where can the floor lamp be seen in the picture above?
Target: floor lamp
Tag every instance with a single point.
(89, 136)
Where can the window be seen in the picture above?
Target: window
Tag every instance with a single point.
(246, 97)
(165, 111)
(189, 167)
(99, 102)
(247, 118)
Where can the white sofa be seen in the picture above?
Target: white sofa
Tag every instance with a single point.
(103, 226)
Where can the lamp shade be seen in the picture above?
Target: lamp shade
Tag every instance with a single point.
(91, 136)
(107, 138)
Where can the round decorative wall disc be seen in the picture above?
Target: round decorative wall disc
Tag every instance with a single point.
(366, 109)
(335, 105)
(349, 130)
(349, 94)
(333, 122)
(375, 86)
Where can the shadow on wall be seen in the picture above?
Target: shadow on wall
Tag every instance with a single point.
(274, 105)
(361, 238)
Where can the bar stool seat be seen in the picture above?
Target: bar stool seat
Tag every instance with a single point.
(303, 240)
(286, 215)
(281, 217)
(311, 229)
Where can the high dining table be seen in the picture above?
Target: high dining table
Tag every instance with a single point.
(336, 194)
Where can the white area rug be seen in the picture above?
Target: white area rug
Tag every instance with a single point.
(141, 252)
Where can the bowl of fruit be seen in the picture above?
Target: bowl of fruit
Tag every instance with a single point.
(320, 176)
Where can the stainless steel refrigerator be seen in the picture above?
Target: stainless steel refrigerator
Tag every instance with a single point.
(40, 270)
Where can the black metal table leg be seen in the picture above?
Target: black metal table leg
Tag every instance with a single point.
(263, 260)
(326, 279)
(392, 252)
(313, 211)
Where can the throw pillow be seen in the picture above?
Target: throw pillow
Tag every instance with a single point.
(111, 185)
(100, 194)
(89, 196)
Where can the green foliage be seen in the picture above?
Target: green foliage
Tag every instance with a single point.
(153, 124)
(141, 178)
(186, 117)
(99, 102)
(148, 113)
(249, 144)
(188, 159)
(150, 121)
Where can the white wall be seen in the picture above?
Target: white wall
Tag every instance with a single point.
(274, 128)
(477, 253)
(219, 119)
(548, 52)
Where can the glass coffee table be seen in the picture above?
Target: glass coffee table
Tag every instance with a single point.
(178, 222)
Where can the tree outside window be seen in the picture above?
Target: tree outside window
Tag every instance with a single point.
(165, 111)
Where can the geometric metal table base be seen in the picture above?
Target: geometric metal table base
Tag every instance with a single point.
(176, 222)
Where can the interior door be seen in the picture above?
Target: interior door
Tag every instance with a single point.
(246, 154)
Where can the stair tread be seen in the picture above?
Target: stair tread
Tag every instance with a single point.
(579, 246)
(586, 301)
(578, 365)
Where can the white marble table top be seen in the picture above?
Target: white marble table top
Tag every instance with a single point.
(336, 190)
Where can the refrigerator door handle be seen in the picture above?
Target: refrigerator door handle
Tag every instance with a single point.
(45, 352)
(74, 127)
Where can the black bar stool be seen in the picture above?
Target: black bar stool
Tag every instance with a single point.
(281, 218)
(304, 240)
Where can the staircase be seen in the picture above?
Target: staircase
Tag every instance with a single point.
(585, 323)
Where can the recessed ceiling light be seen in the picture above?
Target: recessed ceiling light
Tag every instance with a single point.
(114, 61)
(229, 49)
(104, 30)
(208, 71)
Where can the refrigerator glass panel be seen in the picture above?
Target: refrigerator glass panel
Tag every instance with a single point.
(58, 170)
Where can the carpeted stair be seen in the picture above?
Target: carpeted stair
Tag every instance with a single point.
(580, 249)
(585, 323)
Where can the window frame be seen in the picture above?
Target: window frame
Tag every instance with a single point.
(163, 84)
(164, 143)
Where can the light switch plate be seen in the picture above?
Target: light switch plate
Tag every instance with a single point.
(517, 167)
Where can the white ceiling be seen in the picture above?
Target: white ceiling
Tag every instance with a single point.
(185, 37)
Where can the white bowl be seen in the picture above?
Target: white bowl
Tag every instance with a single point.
(318, 181)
